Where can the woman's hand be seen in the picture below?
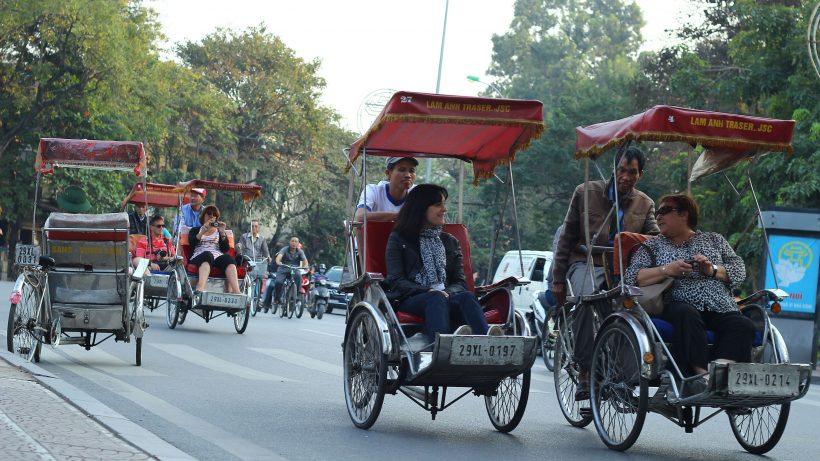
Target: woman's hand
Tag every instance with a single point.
(677, 268)
(446, 295)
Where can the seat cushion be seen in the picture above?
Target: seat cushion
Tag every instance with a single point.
(665, 329)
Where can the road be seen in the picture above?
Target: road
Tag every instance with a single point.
(275, 392)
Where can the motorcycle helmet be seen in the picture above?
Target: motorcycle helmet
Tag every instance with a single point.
(322, 268)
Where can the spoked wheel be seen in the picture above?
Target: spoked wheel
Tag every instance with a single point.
(173, 301)
(23, 337)
(548, 348)
(291, 301)
(274, 306)
(759, 429)
(506, 407)
(240, 320)
(365, 370)
(618, 392)
(300, 306)
(250, 291)
(565, 375)
(139, 352)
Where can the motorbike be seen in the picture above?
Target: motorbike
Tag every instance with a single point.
(541, 320)
(303, 295)
(319, 296)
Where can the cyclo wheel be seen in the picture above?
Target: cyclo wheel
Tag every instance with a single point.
(618, 392)
(291, 300)
(759, 429)
(506, 407)
(240, 319)
(139, 352)
(172, 301)
(365, 370)
(22, 337)
(565, 376)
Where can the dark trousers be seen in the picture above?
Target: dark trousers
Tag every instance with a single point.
(440, 313)
(222, 262)
(734, 335)
(583, 332)
(277, 284)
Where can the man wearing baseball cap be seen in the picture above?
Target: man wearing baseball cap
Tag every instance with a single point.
(383, 201)
(190, 212)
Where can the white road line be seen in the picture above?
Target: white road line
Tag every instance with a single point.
(300, 360)
(322, 333)
(234, 444)
(103, 361)
(31, 445)
(197, 357)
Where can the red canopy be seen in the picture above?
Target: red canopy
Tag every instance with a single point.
(158, 195)
(484, 131)
(249, 191)
(91, 154)
(728, 138)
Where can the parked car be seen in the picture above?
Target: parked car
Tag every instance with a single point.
(337, 298)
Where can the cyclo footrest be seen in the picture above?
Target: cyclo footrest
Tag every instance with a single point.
(476, 360)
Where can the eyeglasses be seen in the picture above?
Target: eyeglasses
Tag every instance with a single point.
(665, 210)
(159, 225)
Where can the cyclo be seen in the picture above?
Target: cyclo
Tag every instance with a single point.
(214, 301)
(378, 359)
(631, 353)
(157, 196)
(83, 283)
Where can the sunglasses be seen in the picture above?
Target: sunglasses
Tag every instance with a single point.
(665, 210)
(159, 225)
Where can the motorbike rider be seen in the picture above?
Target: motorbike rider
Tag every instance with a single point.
(291, 255)
(320, 274)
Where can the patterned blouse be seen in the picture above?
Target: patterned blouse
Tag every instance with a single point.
(701, 291)
(208, 243)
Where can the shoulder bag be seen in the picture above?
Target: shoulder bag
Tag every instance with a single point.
(652, 298)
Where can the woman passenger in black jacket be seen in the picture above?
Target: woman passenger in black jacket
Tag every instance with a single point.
(425, 274)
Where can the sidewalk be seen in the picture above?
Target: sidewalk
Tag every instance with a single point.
(43, 417)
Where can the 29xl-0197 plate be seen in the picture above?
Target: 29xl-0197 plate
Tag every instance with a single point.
(487, 350)
(776, 380)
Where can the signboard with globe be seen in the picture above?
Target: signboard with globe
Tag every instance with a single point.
(796, 268)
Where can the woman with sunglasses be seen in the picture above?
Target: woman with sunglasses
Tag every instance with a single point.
(705, 269)
(210, 247)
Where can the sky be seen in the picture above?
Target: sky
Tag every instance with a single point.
(368, 48)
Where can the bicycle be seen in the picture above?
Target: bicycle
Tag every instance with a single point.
(290, 300)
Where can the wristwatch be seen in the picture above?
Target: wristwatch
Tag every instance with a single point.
(714, 271)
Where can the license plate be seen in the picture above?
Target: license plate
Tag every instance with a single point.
(777, 380)
(224, 300)
(486, 350)
(27, 255)
(158, 281)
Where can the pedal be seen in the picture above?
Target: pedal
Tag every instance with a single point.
(585, 412)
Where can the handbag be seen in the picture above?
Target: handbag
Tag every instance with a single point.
(652, 298)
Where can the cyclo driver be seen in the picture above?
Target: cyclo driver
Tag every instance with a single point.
(291, 255)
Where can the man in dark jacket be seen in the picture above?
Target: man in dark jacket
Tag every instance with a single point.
(637, 214)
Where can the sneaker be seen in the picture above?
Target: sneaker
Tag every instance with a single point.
(582, 391)
(495, 330)
(464, 330)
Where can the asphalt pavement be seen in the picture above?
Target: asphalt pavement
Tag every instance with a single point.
(205, 392)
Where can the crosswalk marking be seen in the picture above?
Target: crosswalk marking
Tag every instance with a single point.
(322, 333)
(106, 362)
(197, 357)
(236, 445)
(300, 360)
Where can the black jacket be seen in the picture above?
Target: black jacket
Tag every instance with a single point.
(404, 263)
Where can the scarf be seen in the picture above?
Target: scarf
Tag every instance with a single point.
(433, 259)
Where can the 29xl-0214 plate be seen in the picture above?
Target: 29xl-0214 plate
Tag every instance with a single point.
(223, 300)
(487, 350)
(777, 380)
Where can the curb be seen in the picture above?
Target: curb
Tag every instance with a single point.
(118, 424)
